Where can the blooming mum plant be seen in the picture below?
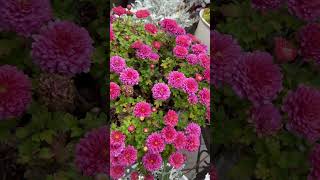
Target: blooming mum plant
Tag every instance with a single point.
(159, 94)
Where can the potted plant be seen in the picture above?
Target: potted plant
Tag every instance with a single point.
(203, 29)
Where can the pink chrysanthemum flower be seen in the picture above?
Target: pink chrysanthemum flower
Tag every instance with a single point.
(193, 129)
(144, 51)
(115, 160)
(180, 31)
(15, 92)
(309, 37)
(206, 74)
(169, 25)
(190, 85)
(119, 10)
(63, 47)
(117, 171)
(204, 96)
(129, 76)
(155, 143)
(141, 14)
(306, 10)
(151, 28)
(199, 48)
(176, 160)
(193, 142)
(117, 138)
(136, 44)
(156, 45)
(204, 60)
(180, 51)
(129, 156)
(24, 17)
(114, 91)
(192, 59)
(257, 78)
(152, 162)
(180, 141)
(303, 109)
(171, 118)
(91, 155)
(315, 161)
(266, 119)
(161, 91)
(154, 57)
(267, 4)
(169, 134)
(192, 99)
(175, 79)
(183, 40)
(117, 64)
(142, 109)
(116, 150)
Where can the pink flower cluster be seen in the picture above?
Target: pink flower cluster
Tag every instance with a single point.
(172, 27)
(144, 51)
(122, 157)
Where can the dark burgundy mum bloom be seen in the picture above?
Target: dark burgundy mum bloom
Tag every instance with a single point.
(15, 92)
(315, 162)
(309, 37)
(257, 77)
(266, 119)
(24, 17)
(266, 4)
(303, 109)
(225, 51)
(63, 48)
(91, 152)
(308, 10)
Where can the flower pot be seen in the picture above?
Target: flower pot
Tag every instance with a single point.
(203, 31)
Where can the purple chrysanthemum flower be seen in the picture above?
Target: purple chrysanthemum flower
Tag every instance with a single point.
(152, 162)
(161, 91)
(180, 141)
(117, 64)
(309, 37)
(180, 31)
(129, 76)
(180, 51)
(193, 142)
(192, 59)
(266, 119)
(128, 156)
(91, 156)
(225, 51)
(315, 161)
(169, 134)
(15, 92)
(193, 129)
(144, 51)
(116, 150)
(267, 4)
(307, 10)
(303, 109)
(176, 160)
(175, 79)
(204, 60)
(190, 85)
(199, 48)
(63, 47)
(24, 17)
(192, 98)
(257, 78)
(154, 57)
(155, 143)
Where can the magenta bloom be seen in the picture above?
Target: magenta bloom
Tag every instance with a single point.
(156, 45)
(116, 150)
(142, 109)
(206, 74)
(193, 129)
(141, 14)
(180, 141)
(155, 143)
(114, 91)
(129, 76)
(266, 4)
(180, 51)
(117, 171)
(176, 160)
(169, 25)
(129, 156)
(91, 152)
(257, 78)
(309, 37)
(192, 59)
(180, 31)
(193, 142)
(171, 118)
(117, 138)
(63, 47)
(315, 161)
(154, 57)
(117, 64)
(119, 10)
(152, 162)
(24, 17)
(161, 91)
(303, 109)
(151, 28)
(183, 40)
(15, 92)
(175, 79)
(266, 119)
(306, 10)
(199, 48)
(169, 134)
(204, 60)
(190, 85)
(134, 175)
(192, 99)
(225, 51)
(204, 96)
(144, 51)
(136, 44)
